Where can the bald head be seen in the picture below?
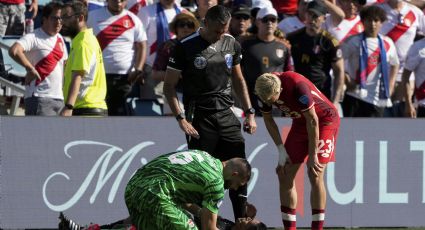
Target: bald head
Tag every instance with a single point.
(236, 173)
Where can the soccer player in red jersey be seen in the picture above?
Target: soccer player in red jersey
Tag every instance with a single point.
(313, 134)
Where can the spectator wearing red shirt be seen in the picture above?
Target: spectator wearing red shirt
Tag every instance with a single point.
(285, 8)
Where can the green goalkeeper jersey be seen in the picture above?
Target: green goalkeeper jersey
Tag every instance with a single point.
(190, 176)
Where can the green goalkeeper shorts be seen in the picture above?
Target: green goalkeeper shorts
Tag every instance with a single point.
(151, 209)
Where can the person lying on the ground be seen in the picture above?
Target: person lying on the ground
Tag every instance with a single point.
(247, 223)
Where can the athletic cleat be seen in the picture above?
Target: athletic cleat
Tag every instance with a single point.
(67, 224)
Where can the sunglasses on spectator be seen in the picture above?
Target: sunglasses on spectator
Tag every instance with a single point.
(187, 24)
(242, 16)
(269, 19)
(55, 18)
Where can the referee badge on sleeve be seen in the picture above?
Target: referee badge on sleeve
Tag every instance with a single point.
(200, 62)
(339, 53)
(422, 53)
(229, 60)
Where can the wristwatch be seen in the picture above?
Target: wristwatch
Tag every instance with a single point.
(69, 106)
(250, 111)
(180, 117)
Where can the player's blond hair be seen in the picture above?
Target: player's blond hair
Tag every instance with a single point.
(266, 86)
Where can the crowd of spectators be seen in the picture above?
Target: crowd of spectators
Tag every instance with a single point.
(365, 62)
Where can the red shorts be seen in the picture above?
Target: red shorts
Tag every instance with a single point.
(296, 144)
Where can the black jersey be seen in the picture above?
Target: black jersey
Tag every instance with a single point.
(260, 57)
(206, 70)
(313, 57)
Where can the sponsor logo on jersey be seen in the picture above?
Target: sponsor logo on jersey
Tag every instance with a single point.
(200, 62)
(305, 58)
(229, 60)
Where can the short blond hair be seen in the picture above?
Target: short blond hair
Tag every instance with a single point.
(267, 85)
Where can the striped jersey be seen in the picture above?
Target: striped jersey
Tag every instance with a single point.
(116, 35)
(47, 54)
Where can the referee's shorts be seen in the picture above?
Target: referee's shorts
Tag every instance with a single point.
(220, 134)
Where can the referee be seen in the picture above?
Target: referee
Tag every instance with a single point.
(207, 63)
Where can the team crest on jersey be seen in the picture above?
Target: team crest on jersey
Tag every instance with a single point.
(229, 60)
(200, 62)
(126, 23)
(279, 53)
(374, 59)
(360, 28)
(407, 22)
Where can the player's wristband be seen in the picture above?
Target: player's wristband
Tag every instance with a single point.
(283, 155)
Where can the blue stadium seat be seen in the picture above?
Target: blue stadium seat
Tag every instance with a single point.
(10, 65)
(138, 107)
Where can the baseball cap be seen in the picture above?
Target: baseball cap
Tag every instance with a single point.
(317, 7)
(266, 11)
(241, 9)
(261, 4)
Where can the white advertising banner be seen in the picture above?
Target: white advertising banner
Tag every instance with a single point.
(80, 166)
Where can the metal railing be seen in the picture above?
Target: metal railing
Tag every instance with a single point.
(15, 90)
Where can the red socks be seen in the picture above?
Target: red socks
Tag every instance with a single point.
(289, 218)
(317, 219)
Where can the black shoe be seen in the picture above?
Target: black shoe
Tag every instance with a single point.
(67, 224)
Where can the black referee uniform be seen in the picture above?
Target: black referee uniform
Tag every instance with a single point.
(206, 71)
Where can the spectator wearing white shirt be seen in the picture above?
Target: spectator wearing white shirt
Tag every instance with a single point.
(415, 62)
(43, 54)
(404, 20)
(122, 38)
(373, 67)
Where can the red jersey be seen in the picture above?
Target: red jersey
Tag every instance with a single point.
(285, 7)
(299, 95)
(12, 2)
